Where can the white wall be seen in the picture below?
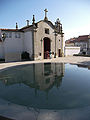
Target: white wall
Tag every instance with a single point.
(89, 43)
(1, 50)
(13, 46)
(28, 42)
(1, 47)
(70, 51)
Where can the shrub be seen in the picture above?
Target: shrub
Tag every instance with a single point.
(81, 55)
(2, 60)
(25, 56)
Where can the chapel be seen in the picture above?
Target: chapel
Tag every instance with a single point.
(41, 40)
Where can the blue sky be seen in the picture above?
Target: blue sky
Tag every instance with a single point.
(73, 14)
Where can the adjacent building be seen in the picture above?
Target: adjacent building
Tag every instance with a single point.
(81, 41)
(88, 45)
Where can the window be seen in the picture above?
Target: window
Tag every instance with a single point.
(17, 35)
(6, 35)
(46, 30)
(10, 35)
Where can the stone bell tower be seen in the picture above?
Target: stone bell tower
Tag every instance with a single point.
(58, 26)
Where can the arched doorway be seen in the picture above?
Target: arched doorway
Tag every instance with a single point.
(47, 47)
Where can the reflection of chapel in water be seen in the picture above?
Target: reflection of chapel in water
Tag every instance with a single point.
(49, 75)
(42, 76)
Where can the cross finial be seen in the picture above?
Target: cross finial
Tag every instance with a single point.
(27, 22)
(33, 19)
(46, 15)
(16, 25)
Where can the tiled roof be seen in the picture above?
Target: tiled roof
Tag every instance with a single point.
(83, 38)
(71, 40)
(25, 27)
(9, 29)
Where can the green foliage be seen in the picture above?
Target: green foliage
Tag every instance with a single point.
(2, 60)
(25, 56)
(81, 55)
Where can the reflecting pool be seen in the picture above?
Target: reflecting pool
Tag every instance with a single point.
(46, 86)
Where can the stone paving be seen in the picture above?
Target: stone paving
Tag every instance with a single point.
(74, 60)
(18, 112)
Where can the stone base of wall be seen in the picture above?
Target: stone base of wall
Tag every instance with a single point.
(11, 57)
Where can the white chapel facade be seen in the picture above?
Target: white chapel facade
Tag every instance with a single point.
(39, 40)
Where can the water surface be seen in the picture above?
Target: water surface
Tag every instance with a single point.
(46, 86)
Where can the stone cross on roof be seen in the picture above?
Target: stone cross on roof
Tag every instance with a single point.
(16, 25)
(46, 15)
(33, 19)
